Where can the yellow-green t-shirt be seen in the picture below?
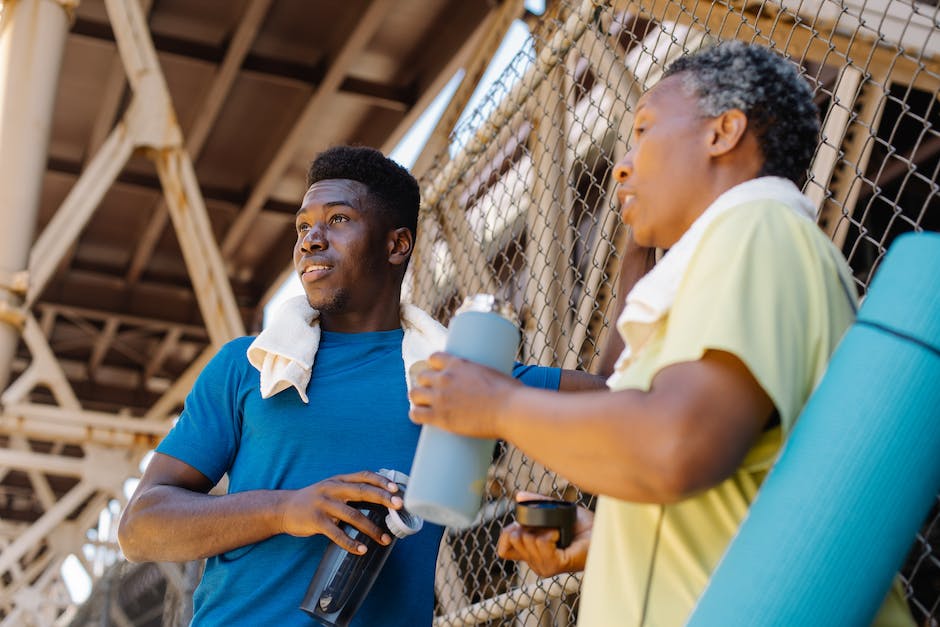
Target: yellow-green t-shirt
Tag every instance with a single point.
(767, 286)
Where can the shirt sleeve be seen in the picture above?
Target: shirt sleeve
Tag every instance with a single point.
(208, 431)
(747, 292)
(537, 376)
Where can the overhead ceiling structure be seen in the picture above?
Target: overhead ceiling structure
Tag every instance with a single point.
(152, 156)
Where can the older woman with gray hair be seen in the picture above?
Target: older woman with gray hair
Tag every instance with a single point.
(725, 339)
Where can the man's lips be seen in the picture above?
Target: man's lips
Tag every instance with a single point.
(314, 271)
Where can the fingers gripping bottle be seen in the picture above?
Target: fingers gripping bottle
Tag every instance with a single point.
(343, 579)
(448, 474)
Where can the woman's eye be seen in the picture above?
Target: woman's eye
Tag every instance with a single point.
(303, 227)
(338, 218)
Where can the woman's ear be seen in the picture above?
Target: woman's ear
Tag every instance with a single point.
(727, 131)
(400, 245)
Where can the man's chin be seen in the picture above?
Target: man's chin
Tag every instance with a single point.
(332, 302)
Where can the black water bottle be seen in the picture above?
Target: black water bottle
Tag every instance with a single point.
(343, 579)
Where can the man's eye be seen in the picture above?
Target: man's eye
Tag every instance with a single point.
(303, 227)
(338, 218)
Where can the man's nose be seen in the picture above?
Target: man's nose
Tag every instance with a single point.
(315, 239)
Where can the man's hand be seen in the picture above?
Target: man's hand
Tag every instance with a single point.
(323, 506)
(460, 396)
(537, 547)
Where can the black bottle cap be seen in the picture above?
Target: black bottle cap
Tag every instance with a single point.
(549, 514)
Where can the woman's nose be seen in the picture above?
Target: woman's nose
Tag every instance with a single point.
(622, 171)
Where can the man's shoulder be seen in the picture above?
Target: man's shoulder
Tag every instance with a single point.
(237, 346)
(233, 354)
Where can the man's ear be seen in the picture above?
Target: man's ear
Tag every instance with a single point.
(727, 131)
(400, 245)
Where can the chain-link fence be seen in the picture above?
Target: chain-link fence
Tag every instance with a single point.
(521, 206)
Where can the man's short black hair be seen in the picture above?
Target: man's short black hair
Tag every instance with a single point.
(768, 89)
(389, 183)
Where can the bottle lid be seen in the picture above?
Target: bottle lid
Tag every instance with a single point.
(489, 303)
(545, 513)
(394, 475)
(549, 513)
(403, 523)
(399, 521)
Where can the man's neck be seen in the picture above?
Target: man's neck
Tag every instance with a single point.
(386, 317)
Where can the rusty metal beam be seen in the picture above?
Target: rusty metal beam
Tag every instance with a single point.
(102, 345)
(49, 422)
(44, 462)
(130, 380)
(111, 98)
(167, 346)
(32, 41)
(151, 324)
(848, 138)
(221, 86)
(48, 521)
(42, 369)
(152, 125)
(73, 214)
(549, 241)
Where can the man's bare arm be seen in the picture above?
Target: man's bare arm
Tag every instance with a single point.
(171, 516)
(580, 381)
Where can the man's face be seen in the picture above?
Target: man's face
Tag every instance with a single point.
(660, 179)
(341, 252)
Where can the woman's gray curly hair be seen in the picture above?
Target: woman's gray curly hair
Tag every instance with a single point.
(768, 89)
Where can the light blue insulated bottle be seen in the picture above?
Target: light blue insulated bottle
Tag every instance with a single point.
(448, 474)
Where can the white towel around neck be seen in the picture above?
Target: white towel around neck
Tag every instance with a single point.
(653, 295)
(284, 352)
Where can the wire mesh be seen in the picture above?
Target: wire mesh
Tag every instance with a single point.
(520, 205)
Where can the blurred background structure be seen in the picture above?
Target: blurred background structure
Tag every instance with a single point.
(152, 156)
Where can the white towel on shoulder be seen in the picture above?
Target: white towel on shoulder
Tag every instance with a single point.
(284, 352)
(652, 296)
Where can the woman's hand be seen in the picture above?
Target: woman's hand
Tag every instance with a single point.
(538, 547)
(460, 396)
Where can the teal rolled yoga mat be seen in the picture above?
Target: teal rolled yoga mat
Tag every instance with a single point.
(834, 519)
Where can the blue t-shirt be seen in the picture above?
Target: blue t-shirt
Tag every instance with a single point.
(357, 419)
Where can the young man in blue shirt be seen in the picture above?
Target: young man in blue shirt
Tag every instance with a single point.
(300, 438)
